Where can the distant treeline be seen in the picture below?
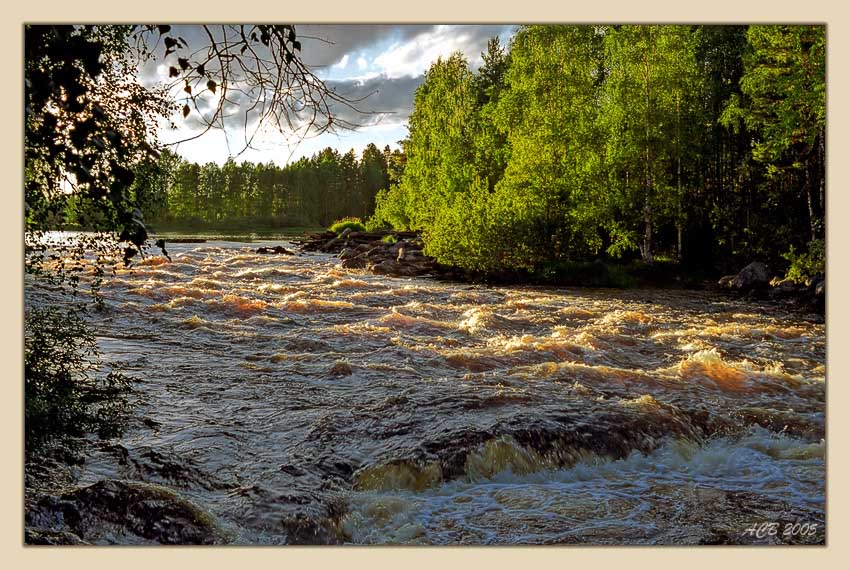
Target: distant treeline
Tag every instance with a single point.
(310, 192)
(699, 143)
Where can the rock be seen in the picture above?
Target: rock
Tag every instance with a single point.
(752, 276)
(276, 249)
(386, 267)
(51, 537)
(341, 368)
(113, 511)
(342, 236)
(784, 284)
(784, 288)
(354, 263)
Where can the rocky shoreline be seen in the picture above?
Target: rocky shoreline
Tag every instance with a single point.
(754, 282)
(400, 254)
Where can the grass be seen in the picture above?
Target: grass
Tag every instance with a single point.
(354, 224)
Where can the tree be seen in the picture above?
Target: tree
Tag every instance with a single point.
(651, 74)
(784, 102)
(89, 123)
(549, 111)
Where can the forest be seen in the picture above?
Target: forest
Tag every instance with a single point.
(696, 144)
(308, 193)
(687, 144)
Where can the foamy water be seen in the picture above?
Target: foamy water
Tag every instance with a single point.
(297, 401)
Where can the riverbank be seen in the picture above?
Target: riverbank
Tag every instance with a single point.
(400, 254)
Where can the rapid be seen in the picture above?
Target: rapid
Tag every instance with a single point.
(294, 401)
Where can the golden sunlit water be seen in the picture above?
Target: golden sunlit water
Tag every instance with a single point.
(296, 401)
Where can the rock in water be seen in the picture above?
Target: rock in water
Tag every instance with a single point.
(276, 249)
(752, 276)
(124, 512)
(726, 281)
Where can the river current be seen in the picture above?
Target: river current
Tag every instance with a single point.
(299, 402)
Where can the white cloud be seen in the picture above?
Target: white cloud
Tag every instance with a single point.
(414, 56)
(361, 63)
(343, 63)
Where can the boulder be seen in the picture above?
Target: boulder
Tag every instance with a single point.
(114, 511)
(726, 281)
(280, 250)
(753, 276)
(354, 262)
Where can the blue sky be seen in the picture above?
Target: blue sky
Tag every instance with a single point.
(385, 63)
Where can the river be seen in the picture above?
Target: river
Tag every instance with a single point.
(298, 402)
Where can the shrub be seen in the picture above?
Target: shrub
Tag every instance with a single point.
(390, 239)
(806, 266)
(66, 392)
(347, 223)
(390, 210)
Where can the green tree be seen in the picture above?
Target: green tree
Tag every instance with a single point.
(784, 103)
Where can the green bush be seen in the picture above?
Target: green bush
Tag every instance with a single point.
(390, 210)
(66, 393)
(354, 224)
(390, 239)
(806, 266)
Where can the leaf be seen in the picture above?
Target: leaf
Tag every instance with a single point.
(163, 29)
(200, 69)
(170, 43)
(184, 63)
(211, 85)
(185, 111)
(188, 89)
(172, 72)
(296, 46)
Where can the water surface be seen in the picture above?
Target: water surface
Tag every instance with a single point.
(297, 401)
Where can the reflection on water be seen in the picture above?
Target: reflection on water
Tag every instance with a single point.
(283, 393)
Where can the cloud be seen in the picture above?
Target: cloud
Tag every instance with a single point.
(389, 61)
(415, 55)
(343, 63)
(382, 99)
(325, 44)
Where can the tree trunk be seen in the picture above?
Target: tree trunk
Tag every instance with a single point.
(646, 250)
(813, 221)
(679, 242)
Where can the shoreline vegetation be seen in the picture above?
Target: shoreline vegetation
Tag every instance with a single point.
(621, 155)
(389, 252)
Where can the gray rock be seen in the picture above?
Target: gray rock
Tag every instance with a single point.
(752, 276)
(113, 511)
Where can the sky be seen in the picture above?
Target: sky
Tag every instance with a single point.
(383, 63)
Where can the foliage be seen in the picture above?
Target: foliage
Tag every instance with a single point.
(804, 267)
(309, 192)
(349, 223)
(700, 144)
(90, 125)
(67, 394)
